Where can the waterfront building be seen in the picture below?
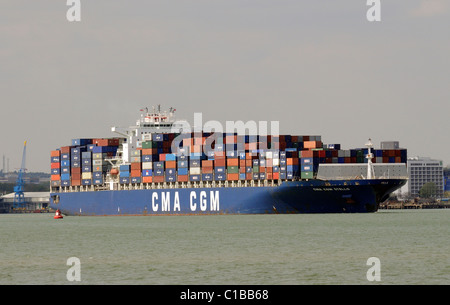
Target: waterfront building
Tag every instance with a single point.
(422, 170)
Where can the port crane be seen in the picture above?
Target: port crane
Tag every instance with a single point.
(19, 196)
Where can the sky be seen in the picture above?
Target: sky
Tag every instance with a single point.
(319, 67)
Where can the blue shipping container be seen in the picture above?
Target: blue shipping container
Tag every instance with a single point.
(147, 173)
(124, 168)
(182, 171)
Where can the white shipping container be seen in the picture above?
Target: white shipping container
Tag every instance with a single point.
(195, 170)
(86, 175)
(147, 165)
(99, 162)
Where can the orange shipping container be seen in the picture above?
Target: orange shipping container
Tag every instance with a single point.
(147, 151)
(207, 163)
(136, 166)
(232, 177)
(207, 170)
(183, 178)
(276, 176)
(147, 179)
(312, 144)
(56, 177)
(55, 165)
(232, 162)
(307, 153)
(75, 182)
(135, 173)
(55, 153)
(171, 164)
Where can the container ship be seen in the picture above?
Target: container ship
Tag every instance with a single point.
(155, 168)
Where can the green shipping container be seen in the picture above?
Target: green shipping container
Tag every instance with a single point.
(307, 175)
(149, 144)
(233, 169)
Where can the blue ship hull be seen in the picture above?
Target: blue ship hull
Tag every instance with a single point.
(313, 196)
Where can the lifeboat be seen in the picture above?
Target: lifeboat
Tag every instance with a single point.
(114, 172)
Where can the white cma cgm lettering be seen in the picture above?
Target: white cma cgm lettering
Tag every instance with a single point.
(213, 201)
(165, 201)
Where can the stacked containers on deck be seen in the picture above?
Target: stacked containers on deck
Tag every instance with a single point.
(135, 166)
(170, 167)
(232, 157)
(76, 163)
(55, 168)
(86, 168)
(65, 165)
(124, 174)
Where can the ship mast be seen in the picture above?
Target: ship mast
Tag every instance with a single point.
(369, 156)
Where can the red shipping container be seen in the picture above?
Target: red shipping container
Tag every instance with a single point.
(158, 179)
(55, 165)
(76, 170)
(66, 149)
(76, 176)
(275, 176)
(219, 162)
(248, 176)
(307, 153)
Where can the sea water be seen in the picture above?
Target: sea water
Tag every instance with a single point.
(411, 246)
